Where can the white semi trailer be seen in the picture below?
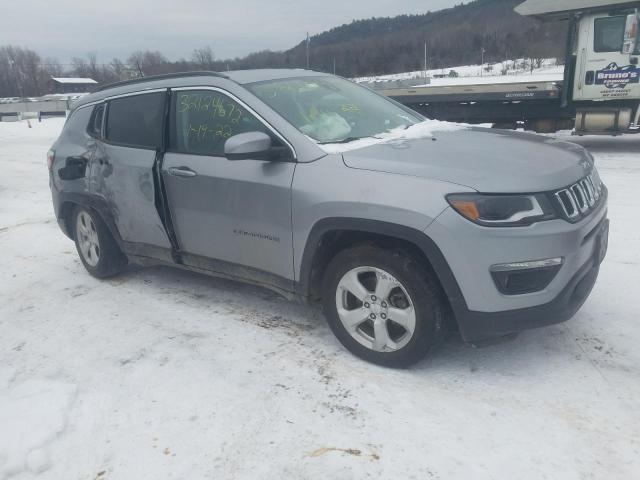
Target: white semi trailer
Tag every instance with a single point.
(600, 93)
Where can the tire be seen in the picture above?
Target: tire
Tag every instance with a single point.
(96, 247)
(413, 298)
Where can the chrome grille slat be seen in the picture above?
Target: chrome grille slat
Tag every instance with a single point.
(568, 203)
(588, 189)
(579, 199)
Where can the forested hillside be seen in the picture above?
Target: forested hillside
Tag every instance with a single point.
(454, 36)
(375, 46)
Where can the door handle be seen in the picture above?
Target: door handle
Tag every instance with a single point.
(182, 172)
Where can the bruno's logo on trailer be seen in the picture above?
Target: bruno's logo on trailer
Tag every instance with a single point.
(613, 76)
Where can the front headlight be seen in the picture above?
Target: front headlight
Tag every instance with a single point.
(502, 210)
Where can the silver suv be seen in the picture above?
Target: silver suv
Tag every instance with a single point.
(320, 189)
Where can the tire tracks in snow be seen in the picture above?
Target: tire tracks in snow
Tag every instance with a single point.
(25, 224)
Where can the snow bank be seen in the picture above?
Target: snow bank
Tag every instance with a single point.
(32, 130)
(513, 69)
(32, 414)
(555, 76)
(424, 129)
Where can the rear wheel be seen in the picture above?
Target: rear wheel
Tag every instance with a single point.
(97, 249)
(382, 305)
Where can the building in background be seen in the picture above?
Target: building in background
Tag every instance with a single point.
(71, 85)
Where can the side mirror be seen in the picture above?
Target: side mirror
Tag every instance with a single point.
(254, 146)
(630, 43)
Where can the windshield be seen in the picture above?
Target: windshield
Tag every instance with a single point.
(331, 109)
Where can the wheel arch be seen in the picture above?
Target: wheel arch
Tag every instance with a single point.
(70, 201)
(330, 235)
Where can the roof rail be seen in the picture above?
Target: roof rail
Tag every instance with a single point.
(165, 76)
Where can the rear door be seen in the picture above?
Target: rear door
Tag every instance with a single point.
(122, 172)
(603, 71)
(237, 212)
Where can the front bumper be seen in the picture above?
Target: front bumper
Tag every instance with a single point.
(469, 251)
(476, 326)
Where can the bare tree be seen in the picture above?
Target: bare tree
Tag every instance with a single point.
(52, 68)
(121, 71)
(149, 62)
(203, 58)
(79, 67)
(19, 72)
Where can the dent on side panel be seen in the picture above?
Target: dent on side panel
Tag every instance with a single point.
(74, 150)
(123, 177)
(327, 189)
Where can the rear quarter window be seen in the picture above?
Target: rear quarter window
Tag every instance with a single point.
(95, 123)
(136, 120)
(75, 130)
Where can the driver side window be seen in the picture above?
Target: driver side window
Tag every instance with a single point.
(202, 120)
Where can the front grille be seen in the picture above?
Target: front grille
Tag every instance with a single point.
(578, 200)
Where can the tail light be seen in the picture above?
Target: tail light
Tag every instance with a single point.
(51, 156)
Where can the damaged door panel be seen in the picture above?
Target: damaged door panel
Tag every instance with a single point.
(123, 170)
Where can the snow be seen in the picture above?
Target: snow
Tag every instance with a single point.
(424, 129)
(486, 80)
(62, 96)
(515, 71)
(161, 373)
(32, 414)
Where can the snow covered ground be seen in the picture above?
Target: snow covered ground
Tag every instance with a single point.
(161, 373)
(502, 72)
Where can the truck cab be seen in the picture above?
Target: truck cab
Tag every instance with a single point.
(602, 75)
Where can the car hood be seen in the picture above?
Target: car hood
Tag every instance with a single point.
(487, 160)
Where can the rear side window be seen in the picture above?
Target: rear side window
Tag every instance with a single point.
(75, 130)
(202, 120)
(95, 122)
(136, 120)
(608, 34)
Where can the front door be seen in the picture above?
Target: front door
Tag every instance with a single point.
(237, 213)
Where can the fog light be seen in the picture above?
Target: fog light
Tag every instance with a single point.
(517, 278)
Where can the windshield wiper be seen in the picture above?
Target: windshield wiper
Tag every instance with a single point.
(346, 140)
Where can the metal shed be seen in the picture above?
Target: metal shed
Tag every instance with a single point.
(71, 85)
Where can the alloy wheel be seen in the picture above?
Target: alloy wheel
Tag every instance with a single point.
(375, 308)
(88, 240)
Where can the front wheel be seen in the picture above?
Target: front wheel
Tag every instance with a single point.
(97, 249)
(382, 305)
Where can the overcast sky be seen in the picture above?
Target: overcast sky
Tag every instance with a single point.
(63, 29)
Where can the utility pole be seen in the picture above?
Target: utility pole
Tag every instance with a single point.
(425, 62)
(308, 41)
(334, 65)
(482, 66)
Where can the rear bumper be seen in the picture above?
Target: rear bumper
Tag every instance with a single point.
(476, 326)
(58, 209)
